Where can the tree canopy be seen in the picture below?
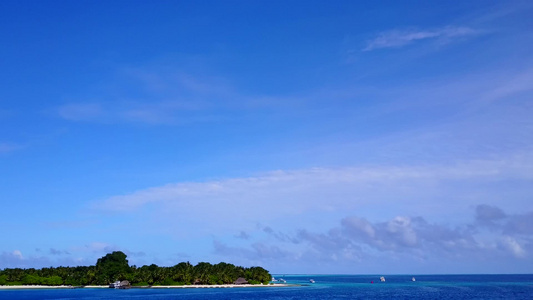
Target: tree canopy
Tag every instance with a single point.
(114, 266)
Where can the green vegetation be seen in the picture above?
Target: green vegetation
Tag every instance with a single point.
(114, 266)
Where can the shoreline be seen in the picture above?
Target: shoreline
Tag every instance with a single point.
(207, 286)
(33, 287)
(200, 286)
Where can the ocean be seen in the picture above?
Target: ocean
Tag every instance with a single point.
(325, 287)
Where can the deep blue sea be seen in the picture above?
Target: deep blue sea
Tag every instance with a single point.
(325, 287)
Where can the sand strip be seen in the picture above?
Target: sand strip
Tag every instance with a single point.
(198, 286)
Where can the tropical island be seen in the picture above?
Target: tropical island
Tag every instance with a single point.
(114, 267)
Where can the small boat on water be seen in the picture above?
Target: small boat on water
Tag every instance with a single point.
(413, 279)
(382, 279)
(312, 280)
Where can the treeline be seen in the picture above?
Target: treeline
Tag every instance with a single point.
(114, 266)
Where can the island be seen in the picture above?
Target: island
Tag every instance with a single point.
(113, 270)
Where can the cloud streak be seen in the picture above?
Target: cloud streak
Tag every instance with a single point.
(81, 111)
(277, 186)
(400, 38)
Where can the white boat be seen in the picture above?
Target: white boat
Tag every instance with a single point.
(382, 279)
(311, 280)
(413, 279)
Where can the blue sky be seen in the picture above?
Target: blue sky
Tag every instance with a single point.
(302, 136)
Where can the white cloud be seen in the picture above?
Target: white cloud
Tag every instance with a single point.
(17, 254)
(427, 211)
(510, 244)
(11, 259)
(415, 241)
(440, 192)
(284, 187)
(403, 232)
(400, 38)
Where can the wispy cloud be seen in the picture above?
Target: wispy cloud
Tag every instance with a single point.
(73, 256)
(144, 112)
(257, 253)
(399, 38)
(512, 86)
(81, 111)
(317, 178)
(4, 113)
(8, 147)
(54, 251)
(11, 259)
(98, 247)
(161, 95)
(17, 259)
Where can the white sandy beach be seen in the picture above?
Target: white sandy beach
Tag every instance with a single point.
(13, 287)
(218, 286)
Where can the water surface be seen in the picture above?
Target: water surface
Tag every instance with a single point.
(325, 287)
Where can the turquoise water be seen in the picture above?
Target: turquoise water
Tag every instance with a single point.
(325, 287)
